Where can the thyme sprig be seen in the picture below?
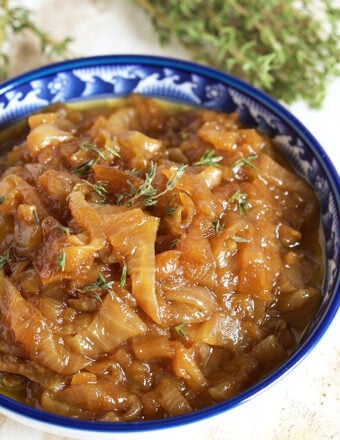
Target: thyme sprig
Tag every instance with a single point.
(113, 152)
(83, 169)
(288, 48)
(175, 175)
(146, 194)
(99, 188)
(245, 161)
(90, 147)
(241, 199)
(99, 284)
(17, 20)
(208, 159)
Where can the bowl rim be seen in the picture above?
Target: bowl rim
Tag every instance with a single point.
(299, 354)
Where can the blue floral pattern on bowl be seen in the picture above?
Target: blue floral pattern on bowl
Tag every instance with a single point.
(188, 83)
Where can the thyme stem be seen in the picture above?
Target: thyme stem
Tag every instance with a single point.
(208, 159)
(146, 193)
(16, 20)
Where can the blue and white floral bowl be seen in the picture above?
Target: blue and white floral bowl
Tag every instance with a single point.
(187, 83)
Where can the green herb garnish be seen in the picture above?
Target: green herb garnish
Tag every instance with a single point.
(133, 172)
(3, 198)
(65, 229)
(99, 284)
(217, 225)
(245, 162)
(99, 189)
(91, 147)
(240, 199)
(4, 259)
(97, 296)
(35, 217)
(208, 159)
(173, 179)
(173, 243)
(84, 168)
(61, 260)
(170, 211)
(180, 330)
(120, 199)
(146, 193)
(122, 280)
(113, 152)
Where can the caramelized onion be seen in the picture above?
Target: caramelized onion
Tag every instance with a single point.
(154, 260)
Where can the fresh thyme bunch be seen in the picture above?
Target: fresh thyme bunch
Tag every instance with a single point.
(288, 48)
(15, 20)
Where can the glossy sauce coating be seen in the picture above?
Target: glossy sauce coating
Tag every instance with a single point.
(155, 260)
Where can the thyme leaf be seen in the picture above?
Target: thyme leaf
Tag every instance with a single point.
(170, 211)
(36, 217)
(208, 159)
(91, 147)
(97, 296)
(133, 172)
(240, 198)
(99, 284)
(113, 152)
(4, 259)
(173, 179)
(65, 229)
(61, 260)
(99, 189)
(83, 169)
(217, 225)
(180, 330)
(173, 243)
(146, 193)
(245, 162)
(122, 280)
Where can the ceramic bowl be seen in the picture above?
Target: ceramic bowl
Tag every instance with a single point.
(188, 83)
